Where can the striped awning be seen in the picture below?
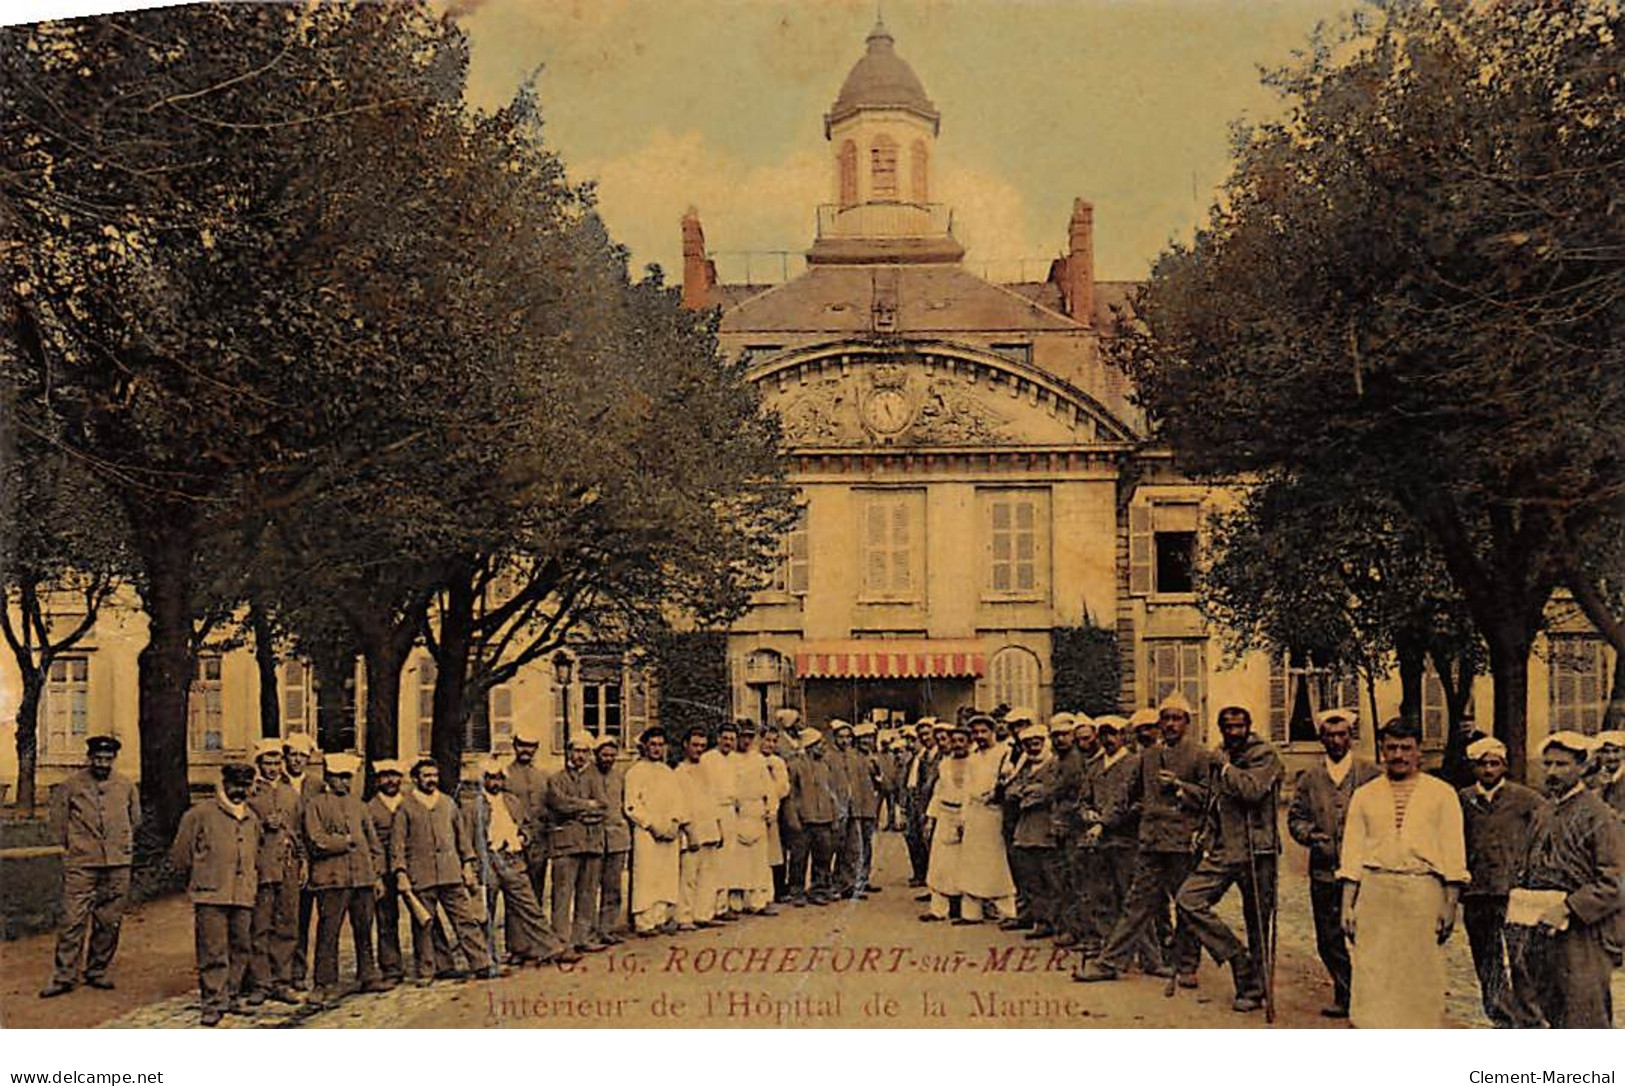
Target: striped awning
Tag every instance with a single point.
(877, 659)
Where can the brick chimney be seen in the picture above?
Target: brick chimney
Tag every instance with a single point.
(699, 273)
(1076, 270)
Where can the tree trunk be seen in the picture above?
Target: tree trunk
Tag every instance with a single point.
(167, 543)
(384, 666)
(1456, 679)
(335, 699)
(1509, 667)
(455, 645)
(28, 738)
(1412, 667)
(265, 662)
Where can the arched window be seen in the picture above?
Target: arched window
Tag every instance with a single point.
(919, 173)
(849, 173)
(1014, 672)
(883, 169)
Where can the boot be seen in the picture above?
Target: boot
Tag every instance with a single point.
(1249, 992)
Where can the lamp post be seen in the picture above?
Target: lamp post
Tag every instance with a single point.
(563, 666)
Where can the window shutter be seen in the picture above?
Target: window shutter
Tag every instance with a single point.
(1277, 699)
(1139, 550)
(740, 698)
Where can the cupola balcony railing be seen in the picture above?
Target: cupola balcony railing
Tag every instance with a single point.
(885, 220)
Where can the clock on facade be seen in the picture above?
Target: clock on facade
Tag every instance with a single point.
(887, 411)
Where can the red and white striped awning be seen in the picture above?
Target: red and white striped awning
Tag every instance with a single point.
(888, 659)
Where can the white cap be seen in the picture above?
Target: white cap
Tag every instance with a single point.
(1579, 744)
(1062, 722)
(527, 733)
(267, 746)
(786, 717)
(1142, 717)
(1020, 714)
(581, 742)
(605, 741)
(838, 724)
(493, 767)
(1176, 702)
(1336, 716)
(388, 765)
(810, 737)
(1113, 719)
(342, 764)
(301, 742)
(1032, 731)
(1611, 739)
(1488, 745)
(865, 728)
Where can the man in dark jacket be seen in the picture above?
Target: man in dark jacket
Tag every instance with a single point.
(217, 848)
(346, 874)
(1498, 817)
(1320, 803)
(94, 814)
(282, 868)
(493, 822)
(434, 862)
(919, 777)
(1242, 849)
(577, 806)
(1032, 843)
(812, 812)
(387, 777)
(606, 761)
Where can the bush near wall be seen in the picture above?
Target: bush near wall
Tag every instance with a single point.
(1086, 669)
(691, 677)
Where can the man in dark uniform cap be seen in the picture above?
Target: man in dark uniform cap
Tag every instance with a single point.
(217, 847)
(93, 817)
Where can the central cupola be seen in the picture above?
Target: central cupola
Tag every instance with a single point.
(883, 130)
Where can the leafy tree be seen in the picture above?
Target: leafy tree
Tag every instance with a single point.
(1087, 669)
(1414, 279)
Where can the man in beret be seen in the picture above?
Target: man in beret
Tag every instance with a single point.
(577, 809)
(217, 848)
(1498, 817)
(919, 777)
(434, 862)
(1315, 819)
(1032, 845)
(492, 822)
(792, 881)
(387, 777)
(863, 775)
(812, 811)
(1609, 778)
(1568, 894)
(298, 750)
(93, 818)
(606, 762)
(839, 756)
(282, 867)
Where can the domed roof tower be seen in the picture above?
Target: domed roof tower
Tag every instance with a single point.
(882, 79)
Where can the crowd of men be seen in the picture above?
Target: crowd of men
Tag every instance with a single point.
(1115, 837)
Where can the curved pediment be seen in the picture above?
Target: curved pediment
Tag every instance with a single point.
(926, 395)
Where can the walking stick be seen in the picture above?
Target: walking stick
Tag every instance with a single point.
(1199, 846)
(1266, 925)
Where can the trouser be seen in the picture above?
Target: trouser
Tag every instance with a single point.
(430, 947)
(1506, 1004)
(696, 897)
(537, 861)
(525, 930)
(864, 831)
(1029, 870)
(276, 912)
(657, 915)
(1086, 870)
(780, 882)
(1157, 878)
(575, 895)
(797, 856)
(919, 845)
(1060, 898)
(224, 936)
(301, 946)
(972, 908)
(845, 870)
(1206, 886)
(1567, 976)
(333, 904)
(609, 894)
(821, 843)
(387, 917)
(92, 901)
(1326, 901)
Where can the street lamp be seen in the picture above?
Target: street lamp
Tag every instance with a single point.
(562, 668)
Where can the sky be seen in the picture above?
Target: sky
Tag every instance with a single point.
(718, 104)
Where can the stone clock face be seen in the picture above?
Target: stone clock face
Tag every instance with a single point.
(887, 411)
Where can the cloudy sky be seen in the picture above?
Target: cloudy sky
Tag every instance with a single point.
(719, 104)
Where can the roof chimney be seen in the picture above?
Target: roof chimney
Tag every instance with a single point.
(1078, 282)
(699, 273)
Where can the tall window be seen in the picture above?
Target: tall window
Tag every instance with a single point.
(637, 704)
(883, 169)
(919, 172)
(1580, 683)
(1014, 673)
(893, 538)
(1300, 690)
(1018, 542)
(849, 173)
(298, 700)
(795, 560)
(1181, 665)
(427, 674)
(64, 713)
(499, 710)
(602, 696)
(203, 701)
(1162, 548)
